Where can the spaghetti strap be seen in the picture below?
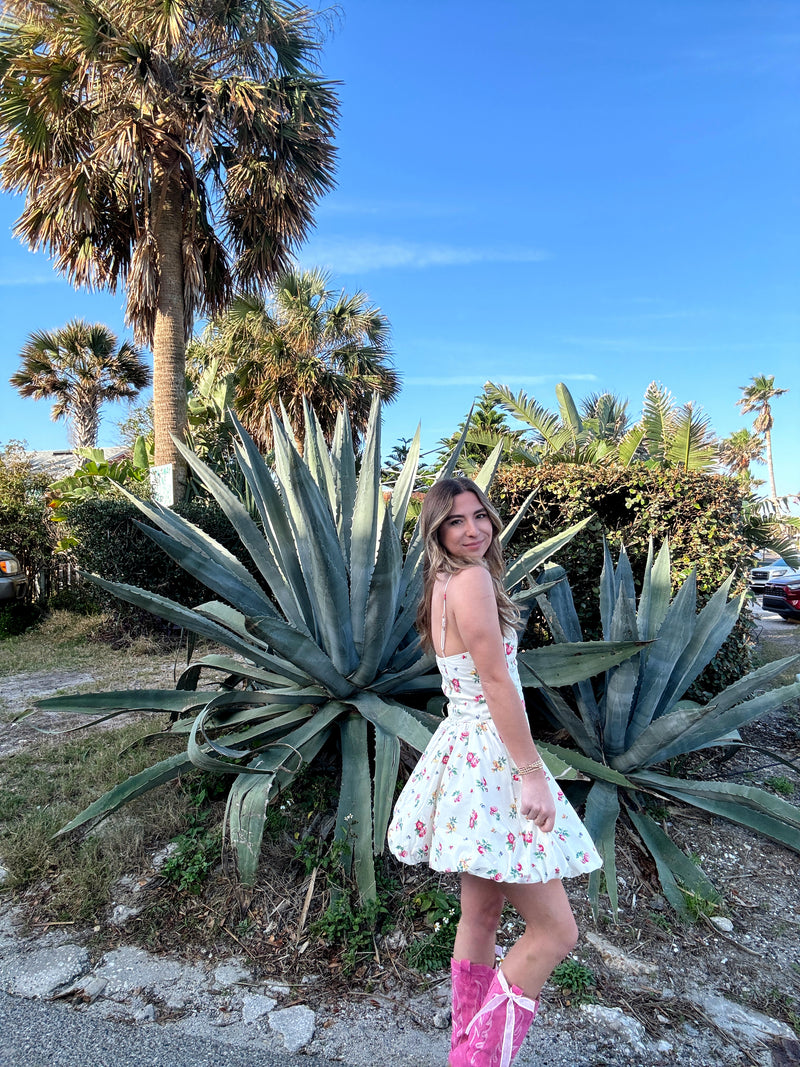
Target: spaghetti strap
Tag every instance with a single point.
(444, 612)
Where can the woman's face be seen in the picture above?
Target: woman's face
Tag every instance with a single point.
(467, 531)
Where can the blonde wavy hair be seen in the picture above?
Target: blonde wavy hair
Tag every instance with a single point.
(436, 506)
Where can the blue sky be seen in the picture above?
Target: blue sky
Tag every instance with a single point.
(601, 194)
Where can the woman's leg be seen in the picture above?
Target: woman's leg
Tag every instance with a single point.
(550, 934)
(481, 906)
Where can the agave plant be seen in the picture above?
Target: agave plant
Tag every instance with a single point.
(637, 720)
(329, 648)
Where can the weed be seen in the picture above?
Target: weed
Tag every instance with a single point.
(659, 920)
(575, 979)
(352, 927)
(780, 784)
(698, 905)
(197, 854)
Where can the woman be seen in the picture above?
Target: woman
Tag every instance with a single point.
(481, 801)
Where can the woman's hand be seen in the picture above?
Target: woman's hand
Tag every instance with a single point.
(537, 801)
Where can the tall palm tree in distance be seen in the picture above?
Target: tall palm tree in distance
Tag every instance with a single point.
(304, 340)
(756, 398)
(81, 367)
(738, 451)
(178, 149)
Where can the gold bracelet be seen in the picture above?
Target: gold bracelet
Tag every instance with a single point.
(537, 765)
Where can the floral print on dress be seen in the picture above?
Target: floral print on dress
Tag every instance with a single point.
(460, 809)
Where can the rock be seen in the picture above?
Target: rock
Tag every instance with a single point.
(128, 968)
(4, 876)
(231, 974)
(396, 941)
(441, 1020)
(88, 989)
(121, 914)
(295, 1026)
(620, 1024)
(147, 1014)
(44, 972)
(744, 1023)
(161, 857)
(255, 1006)
(722, 923)
(620, 962)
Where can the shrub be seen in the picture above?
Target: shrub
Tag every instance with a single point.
(699, 514)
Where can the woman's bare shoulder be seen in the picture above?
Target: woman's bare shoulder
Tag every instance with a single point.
(470, 581)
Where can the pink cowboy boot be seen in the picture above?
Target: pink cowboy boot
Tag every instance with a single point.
(498, 1029)
(471, 983)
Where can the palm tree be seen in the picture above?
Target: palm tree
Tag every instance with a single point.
(676, 436)
(178, 149)
(756, 397)
(81, 367)
(304, 341)
(738, 451)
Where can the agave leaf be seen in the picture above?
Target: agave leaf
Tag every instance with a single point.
(228, 760)
(224, 580)
(744, 804)
(354, 814)
(755, 680)
(590, 767)
(393, 718)
(414, 677)
(285, 576)
(220, 564)
(558, 665)
(387, 763)
(270, 716)
(600, 819)
(656, 592)
(123, 700)
(135, 786)
(237, 623)
(537, 556)
(404, 486)
(713, 625)
(319, 552)
(344, 468)
(317, 457)
(236, 670)
(368, 523)
(300, 650)
(239, 517)
(688, 729)
(624, 576)
(485, 476)
(620, 681)
(608, 592)
(672, 864)
(582, 732)
(379, 612)
(673, 636)
(511, 527)
(181, 616)
(557, 766)
(247, 803)
(559, 609)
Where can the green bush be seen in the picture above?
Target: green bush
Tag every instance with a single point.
(699, 514)
(26, 531)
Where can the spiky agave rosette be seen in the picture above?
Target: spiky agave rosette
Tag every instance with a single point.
(638, 718)
(323, 642)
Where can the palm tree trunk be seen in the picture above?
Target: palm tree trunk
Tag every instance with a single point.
(169, 338)
(85, 423)
(770, 468)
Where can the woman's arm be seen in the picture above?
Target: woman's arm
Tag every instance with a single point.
(472, 603)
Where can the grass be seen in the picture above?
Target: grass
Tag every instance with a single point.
(44, 786)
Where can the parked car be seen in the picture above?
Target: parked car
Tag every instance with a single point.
(782, 596)
(13, 581)
(768, 572)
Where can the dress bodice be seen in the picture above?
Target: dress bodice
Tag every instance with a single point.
(461, 683)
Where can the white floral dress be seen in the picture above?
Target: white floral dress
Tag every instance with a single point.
(460, 809)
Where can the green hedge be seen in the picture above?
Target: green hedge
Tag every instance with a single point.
(701, 514)
(25, 530)
(111, 545)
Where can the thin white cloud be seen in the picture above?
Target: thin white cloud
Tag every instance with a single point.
(499, 378)
(34, 279)
(356, 257)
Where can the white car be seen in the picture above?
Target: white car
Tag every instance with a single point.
(760, 576)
